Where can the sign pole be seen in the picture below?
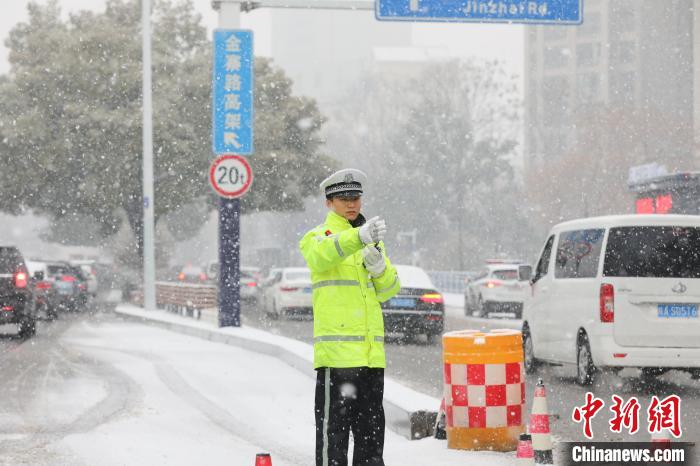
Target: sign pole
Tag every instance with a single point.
(148, 252)
(230, 177)
(229, 262)
(229, 219)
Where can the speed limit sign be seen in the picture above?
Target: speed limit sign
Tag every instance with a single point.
(230, 176)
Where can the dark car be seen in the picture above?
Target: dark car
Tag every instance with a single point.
(418, 308)
(70, 287)
(192, 274)
(81, 290)
(17, 300)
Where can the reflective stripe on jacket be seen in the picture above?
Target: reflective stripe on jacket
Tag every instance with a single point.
(348, 322)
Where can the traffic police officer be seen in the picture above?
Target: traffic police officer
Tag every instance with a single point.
(350, 276)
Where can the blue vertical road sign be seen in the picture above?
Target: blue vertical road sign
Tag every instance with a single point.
(482, 11)
(232, 133)
(233, 92)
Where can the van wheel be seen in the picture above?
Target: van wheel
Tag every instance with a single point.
(585, 370)
(529, 360)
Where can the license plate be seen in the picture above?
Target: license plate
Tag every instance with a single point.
(307, 290)
(684, 311)
(404, 303)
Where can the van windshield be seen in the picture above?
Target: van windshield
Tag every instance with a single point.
(664, 251)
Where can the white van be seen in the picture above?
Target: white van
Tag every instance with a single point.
(614, 292)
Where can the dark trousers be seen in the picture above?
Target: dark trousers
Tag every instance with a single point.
(349, 400)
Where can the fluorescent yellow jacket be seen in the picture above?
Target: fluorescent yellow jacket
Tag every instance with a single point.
(348, 321)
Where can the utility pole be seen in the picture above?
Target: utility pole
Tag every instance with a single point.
(149, 259)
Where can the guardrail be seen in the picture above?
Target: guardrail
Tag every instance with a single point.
(450, 281)
(186, 299)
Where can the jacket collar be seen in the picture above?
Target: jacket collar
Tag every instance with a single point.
(339, 223)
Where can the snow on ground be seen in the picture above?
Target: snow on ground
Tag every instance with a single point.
(191, 401)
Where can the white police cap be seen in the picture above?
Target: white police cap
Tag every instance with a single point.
(344, 183)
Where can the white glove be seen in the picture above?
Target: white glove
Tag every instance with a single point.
(374, 260)
(373, 231)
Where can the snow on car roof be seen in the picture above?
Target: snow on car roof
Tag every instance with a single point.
(628, 220)
(297, 273)
(413, 277)
(494, 267)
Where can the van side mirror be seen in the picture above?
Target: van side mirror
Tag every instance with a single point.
(524, 273)
(39, 275)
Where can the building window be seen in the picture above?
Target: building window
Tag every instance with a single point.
(590, 26)
(622, 52)
(553, 33)
(622, 86)
(587, 88)
(556, 93)
(623, 16)
(588, 54)
(556, 57)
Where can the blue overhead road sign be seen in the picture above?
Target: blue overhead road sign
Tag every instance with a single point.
(233, 92)
(482, 11)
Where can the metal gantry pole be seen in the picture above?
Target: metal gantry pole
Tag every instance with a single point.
(229, 216)
(149, 266)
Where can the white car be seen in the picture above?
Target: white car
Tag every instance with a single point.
(249, 281)
(500, 288)
(615, 292)
(287, 291)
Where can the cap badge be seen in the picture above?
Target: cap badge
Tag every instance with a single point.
(349, 178)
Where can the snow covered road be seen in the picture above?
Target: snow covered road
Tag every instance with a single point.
(101, 391)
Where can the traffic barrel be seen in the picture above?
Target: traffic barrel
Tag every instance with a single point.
(525, 456)
(484, 389)
(263, 459)
(539, 426)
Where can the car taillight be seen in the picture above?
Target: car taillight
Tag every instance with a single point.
(252, 284)
(607, 303)
(432, 298)
(67, 278)
(288, 289)
(492, 284)
(20, 280)
(82, 286)
(44, 285)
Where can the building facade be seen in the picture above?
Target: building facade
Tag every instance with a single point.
(628, 55)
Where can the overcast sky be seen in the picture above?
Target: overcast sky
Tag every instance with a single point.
(494, 41)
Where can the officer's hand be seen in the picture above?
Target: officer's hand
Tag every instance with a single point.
(373, 231)
(374, 260)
